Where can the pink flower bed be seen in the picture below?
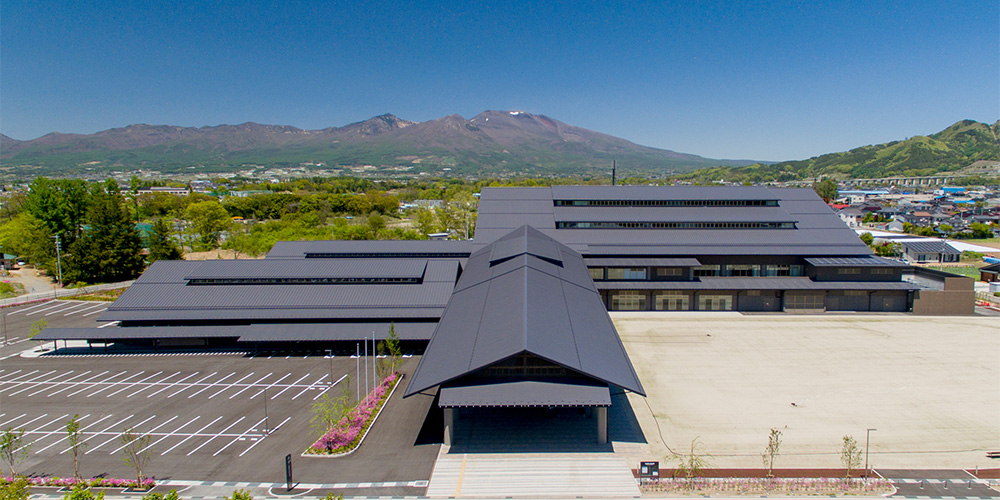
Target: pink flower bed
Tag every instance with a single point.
(94, 482)
(346, 434)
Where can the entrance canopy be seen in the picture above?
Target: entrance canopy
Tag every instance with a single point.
(526, 393)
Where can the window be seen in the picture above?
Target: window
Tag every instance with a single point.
(881, 270)
(753, 293)
(665, 203)
(715, 302)
(672, 301)
(779, 270)
(855, 292)
(596, 273)
(671, 225)
(669, 271)
(804, 301)
(626, 273)
(628, 301)
(743, 270)
(849, 270)
(706, 271)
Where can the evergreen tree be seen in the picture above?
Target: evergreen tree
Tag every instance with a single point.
(161, 246)
(110, 250)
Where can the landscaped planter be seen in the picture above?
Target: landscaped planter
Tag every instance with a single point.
(94, 482)
(348, 434)
(760, 486)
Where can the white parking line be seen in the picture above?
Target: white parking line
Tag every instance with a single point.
(309, 387)
(210, 385)
(327, 388)
(39, 431)
(85, 309)
(171, 384)
(290, 386)
(57, 440)
(76, 384)
(113, 323)
(9, 374)
(175, 431)
(91, 385)
(272, 431)
(151, 384)
(15, 418)
(95, 312)
(36, 306)
(29, 381)
(117, 435)
(148, 433)
(230, 385)
(237, 438)
(82, 429)
(249, 386)
(188, 386)
(100, 432)
(15, 379)
(50, 384)
(132, 384)
(46, 309)
(114, 383)
(217, 435)
(191, 436)
(270, 386)
(72, 306)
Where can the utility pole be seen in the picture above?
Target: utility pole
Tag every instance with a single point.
(357, 356)
(868, 433)
(266, 427)
(614, 167)
(366, 368)
(330, 352)
(59, 258)
(374, 354)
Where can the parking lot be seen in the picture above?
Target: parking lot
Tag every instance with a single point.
(208, 415)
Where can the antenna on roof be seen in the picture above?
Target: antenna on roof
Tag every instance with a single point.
(614, 167)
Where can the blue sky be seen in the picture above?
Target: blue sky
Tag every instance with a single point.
(769, 81)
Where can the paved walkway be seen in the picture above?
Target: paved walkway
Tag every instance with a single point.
(506, 475)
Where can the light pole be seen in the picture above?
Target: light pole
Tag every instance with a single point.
(330, 353)
(868, 433)
(266, 427)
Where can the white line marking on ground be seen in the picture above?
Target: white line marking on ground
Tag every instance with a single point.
(8, 374)
(189, 422)
(95, 312)
(210, 385)
(151, 384)
(30, 381)
(192, 384)
(171, 385)
(39, 431)
(13, 419)
(148, 433)
(82, 429)
(76, 384)
(43, 310)
(327, 388)
(100, 432)
(309, 387)
(28, 308)
(272, 431)
(64, 437)
(84, 309)
(113, 323)
(15, 379)
(249, 386)
(116, 435)
(290, 386)
(224, 389)
(50, 384)
(217, 435)
(270, 386)
(191, 436)
(132, 384)
(105, 381)
(73, 306)
(237, 438)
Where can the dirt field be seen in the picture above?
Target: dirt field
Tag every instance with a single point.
(930, 385)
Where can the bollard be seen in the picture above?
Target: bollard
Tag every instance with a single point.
(946, 483)
(922, 483)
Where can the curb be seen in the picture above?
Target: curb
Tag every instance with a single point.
(363, 436)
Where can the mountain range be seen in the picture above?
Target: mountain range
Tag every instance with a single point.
(492, 142)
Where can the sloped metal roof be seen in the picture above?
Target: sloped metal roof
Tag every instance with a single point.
(162, 332)
(547, 307)
(370, 248)
(525, 393)
(867, 261)
(672, 214)
(642, 261)
(308, 268)
(659, 193)
(282, 332)
(930, 247)
(739, 284)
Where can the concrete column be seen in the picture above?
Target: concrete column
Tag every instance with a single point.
(449, 426)
(602, 425)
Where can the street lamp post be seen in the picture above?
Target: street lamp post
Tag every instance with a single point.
(868, 433)
(330, 353)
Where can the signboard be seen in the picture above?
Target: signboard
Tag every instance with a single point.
(288, 470)
(649, 470)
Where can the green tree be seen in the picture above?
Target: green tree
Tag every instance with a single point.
(327, 410)
(18, 488)
(111, 249)
(826, 189)
(980, 230)
(37, 328)
(152, 495)
(76, 444)
(135, 452)
(83, 492)
(161, 245)
(209, 220)
(27, 236)
(772, 450)
(13, 448)
(377, 223)
(239, 494)
(60, 204)
(867, 238)
(424, 218)
(850, 455)
(693, 463)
